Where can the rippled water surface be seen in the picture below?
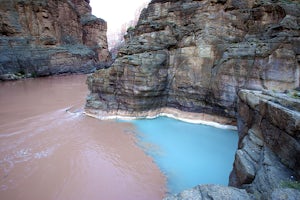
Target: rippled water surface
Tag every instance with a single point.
(188, 154)
(50, 150)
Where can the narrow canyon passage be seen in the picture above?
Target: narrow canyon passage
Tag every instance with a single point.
(50, 150)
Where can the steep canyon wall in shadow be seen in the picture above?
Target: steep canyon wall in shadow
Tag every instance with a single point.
(40, 38)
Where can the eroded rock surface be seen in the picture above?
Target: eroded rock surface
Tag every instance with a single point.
(44, 37)
(196, 55)
(269, 147)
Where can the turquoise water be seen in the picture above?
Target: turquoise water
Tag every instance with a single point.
(188, 154)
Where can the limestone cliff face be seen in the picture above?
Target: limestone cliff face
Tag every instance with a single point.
(44, 37)
(196, 55)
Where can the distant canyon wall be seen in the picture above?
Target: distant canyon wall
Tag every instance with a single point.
(196, 55)
(44, 37)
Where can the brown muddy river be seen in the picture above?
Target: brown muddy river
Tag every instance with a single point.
(50, 150)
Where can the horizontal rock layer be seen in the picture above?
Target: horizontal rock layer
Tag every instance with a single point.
(268, 155)
(39, 37)
(196, 55)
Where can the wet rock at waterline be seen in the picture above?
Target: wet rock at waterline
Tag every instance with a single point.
(196, 55)
(40, 38)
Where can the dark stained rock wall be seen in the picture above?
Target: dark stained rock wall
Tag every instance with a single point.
(196, 55)
(44, 37)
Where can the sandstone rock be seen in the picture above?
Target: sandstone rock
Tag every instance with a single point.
(211, 49)
(41, 38)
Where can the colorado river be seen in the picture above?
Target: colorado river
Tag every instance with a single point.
(50, 150)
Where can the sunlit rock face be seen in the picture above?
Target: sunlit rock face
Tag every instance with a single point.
(42, 37)
(196, 55)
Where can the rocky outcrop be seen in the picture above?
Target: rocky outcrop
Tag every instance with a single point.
(41, 37)
(266, 163)
(196, 55)
(268, 156)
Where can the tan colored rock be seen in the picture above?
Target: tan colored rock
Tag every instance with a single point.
(95, 39)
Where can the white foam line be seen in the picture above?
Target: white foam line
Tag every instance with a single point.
(199, 121)
(192, 121)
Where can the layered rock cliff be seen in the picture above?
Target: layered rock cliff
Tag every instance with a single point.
(196, 55)
(44, 37)
(268, 156)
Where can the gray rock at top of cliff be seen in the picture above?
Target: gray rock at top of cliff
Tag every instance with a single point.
(196, 55)
(39, 38)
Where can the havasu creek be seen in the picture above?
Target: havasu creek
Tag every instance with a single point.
(188, 154)
(51, 150)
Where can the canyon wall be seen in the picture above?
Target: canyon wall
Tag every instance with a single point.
(268, 156)
(196, 55)
(45, 37)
